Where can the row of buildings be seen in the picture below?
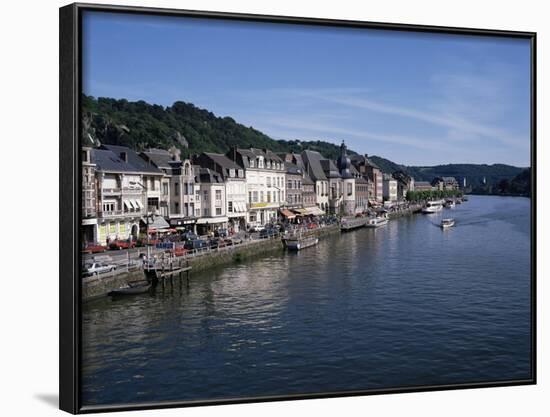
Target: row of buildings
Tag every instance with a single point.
(125, 193)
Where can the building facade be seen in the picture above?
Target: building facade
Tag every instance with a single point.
(236, 194)
(89, 200)
(389, 187)
(312, 166)
(265, 183)
(348, 182)
(211, 192)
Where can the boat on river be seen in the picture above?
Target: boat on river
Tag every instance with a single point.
(298, 243)
(132, 289)
(375, 222)
(446, 223)
(433, 207)
(352, 223)
(450, 203)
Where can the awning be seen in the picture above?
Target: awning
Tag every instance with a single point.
(300, 211)
(212, 220)
(288, 214)
(315, 211)
(128, 204)
(156, 222)
(137, 204)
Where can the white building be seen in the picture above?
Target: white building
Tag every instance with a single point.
(236, 194)
(213, 214)
(265, 183)
(389, 188)
(179, 204)
(121, 195)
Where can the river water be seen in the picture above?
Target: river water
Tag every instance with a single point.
(404, 305)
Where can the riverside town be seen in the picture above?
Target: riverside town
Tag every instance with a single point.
(158, 210)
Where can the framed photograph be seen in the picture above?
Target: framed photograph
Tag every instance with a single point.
(259, 208)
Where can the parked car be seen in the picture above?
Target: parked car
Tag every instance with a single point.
(189, 236)
(265, 233)
(221, 233)
(96, 268)
(122, 244)
(236, 240)
(179, 251)
(256, 228)
(196, 244)
(94, 248)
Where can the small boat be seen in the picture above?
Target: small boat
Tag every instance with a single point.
(350, 224)
(432, 207)
(376, 222)
(450, 204)
(131, 289)
(446, 223)
(298, 243)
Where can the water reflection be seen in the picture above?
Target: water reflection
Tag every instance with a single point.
(401, 305)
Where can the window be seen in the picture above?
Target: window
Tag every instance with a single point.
(153, 182)
(198, 195)
(218, 211)
(255, 197)
(269, 196)
(251, 163)
(218, 196)
(289, 184)
(230, 206)
(165, 189)
(231, 173)
(350, 190)
(177, 188)
(206, 212)
(261, 196)
(177, 207)
(241, 173)
(260, 163)
(268, 179)
(205, 195)
(109, 207)
(250, 197)
(197, 212)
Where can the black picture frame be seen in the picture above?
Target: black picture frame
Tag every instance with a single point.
(70, 191)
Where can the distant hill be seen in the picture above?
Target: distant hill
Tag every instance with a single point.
(475, 174)
(140, 125)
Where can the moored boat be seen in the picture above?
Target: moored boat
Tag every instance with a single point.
(131, 289)
(353, 223)
(298, 243)
(450, 203)
(374, 222)
(432, 207)
(446, 223)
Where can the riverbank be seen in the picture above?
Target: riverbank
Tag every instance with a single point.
(100, 285)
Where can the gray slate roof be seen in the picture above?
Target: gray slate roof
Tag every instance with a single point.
(133, 159)
(312, 162)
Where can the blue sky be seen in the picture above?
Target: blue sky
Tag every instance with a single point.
(417, 99)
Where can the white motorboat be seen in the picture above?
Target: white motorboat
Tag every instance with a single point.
(374, 222)
(450, 204)
(433, 207)
(446, 223)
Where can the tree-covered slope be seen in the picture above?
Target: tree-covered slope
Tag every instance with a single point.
(140, 125)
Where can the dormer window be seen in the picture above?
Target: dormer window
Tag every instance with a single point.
(251, 162)
(241, 173)
(231, 173)
(260, 163)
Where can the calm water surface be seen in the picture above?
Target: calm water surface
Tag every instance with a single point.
(407, 304)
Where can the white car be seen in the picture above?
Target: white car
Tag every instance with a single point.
(97, 268)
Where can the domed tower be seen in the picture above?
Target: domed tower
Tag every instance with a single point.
(348, 180)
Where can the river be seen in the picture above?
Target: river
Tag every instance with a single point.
(404, 305)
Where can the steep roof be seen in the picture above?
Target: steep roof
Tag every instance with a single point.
(312, 162)
(330, 169)
(293, 169)
(132, 158)
(159, 157)
(108, 161)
